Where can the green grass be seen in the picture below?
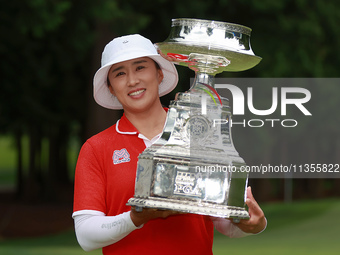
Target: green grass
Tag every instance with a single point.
(307, 227)
(65, 244)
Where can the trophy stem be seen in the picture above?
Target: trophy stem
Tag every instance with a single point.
(203, 78)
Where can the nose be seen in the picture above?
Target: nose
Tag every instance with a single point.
(132, 79)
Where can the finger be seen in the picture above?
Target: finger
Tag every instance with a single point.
(250, 193)
(243, 222)
(254, 208)
(251, 202)
(167, 213)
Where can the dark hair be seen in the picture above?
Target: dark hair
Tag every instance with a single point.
(157, 65)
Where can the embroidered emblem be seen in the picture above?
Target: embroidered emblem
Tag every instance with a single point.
(120, 156)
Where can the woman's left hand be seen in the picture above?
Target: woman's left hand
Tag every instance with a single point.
(257, 221)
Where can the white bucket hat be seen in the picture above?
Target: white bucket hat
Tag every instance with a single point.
(126, 48)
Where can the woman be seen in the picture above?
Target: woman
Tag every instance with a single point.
(133, 76)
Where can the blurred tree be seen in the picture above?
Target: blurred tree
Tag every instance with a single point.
(29, 78)
(49, 50)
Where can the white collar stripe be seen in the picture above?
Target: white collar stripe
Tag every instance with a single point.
(124, 133)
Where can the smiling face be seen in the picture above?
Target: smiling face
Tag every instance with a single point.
(135, 84)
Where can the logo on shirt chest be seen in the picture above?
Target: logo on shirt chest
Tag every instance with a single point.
(120, 156)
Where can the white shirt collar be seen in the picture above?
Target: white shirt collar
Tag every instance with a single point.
(148, 142)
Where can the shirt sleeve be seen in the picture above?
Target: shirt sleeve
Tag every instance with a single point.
(95, 230)
(90, 183)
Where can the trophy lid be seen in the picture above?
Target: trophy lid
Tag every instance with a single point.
(221, 45)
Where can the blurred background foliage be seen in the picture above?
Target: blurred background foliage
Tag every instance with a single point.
(50, 50)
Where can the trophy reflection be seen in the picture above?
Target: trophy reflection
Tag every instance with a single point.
(194, 166)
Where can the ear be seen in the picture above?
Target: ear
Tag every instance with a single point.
(111, 90)
(160, 75)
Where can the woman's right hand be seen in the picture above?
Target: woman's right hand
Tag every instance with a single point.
(140, 218)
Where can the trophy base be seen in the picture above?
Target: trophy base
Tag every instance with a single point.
(203, 208)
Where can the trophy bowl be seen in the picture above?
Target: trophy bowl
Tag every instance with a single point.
(194, 166)
(214, 38)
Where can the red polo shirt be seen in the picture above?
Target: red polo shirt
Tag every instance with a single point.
(105, 180)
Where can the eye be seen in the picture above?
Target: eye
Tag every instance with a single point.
(140, 68)
(119, 74)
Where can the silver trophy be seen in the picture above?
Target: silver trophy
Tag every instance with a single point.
(194, 166)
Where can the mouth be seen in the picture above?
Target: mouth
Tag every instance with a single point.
(137, 92)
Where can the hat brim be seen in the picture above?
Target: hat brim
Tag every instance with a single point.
(105, 98)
